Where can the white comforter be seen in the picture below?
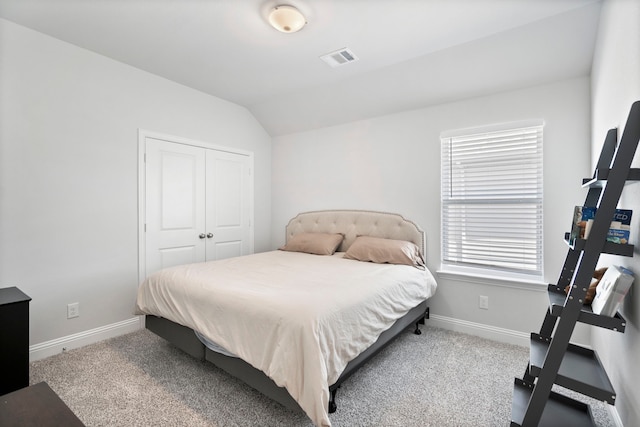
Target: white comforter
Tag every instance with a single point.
(299, 318)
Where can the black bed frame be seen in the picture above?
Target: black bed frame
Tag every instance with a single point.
(185, 339)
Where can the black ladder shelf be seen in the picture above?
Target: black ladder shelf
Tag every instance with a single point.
(553, 359)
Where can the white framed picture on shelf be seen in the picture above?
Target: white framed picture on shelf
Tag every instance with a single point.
(611, 290)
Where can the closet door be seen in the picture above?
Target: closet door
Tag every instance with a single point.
(198, 204)
(228, 204)
(175, 204)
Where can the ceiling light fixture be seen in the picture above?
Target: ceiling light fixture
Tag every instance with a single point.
(287, 19)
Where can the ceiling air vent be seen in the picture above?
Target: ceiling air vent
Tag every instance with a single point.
(339, 57)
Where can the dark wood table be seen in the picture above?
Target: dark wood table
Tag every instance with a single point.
(37, 405)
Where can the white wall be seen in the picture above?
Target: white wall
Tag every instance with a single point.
(615, 86)
(392, 163)
(68, 168)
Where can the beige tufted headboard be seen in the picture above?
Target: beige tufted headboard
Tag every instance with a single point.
(353, 223)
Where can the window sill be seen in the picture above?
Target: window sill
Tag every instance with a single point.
(494, 280)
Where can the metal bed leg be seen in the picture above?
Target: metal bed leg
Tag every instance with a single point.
(421, 321)
(417, 331)
(332, 400)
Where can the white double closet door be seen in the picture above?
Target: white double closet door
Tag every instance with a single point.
(197, 204)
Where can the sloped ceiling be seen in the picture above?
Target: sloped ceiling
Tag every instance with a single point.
(412, 53)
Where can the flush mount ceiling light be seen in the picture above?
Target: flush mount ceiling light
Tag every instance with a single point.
(287, 19)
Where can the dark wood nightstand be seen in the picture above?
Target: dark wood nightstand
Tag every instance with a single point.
(14, 339)
(33, 406)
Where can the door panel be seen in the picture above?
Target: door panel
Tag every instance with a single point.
(178, 256)
(227, 249)
(175, 194)
(228, 204)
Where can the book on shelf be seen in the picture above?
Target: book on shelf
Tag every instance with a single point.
(611, 290)
(581, 216)
(620, 226)
(619, 230)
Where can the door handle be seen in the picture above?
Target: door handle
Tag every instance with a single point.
(209, 235)
(202, 236)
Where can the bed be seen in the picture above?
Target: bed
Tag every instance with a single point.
(296, 322)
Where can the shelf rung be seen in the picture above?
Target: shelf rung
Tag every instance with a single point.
(580, 370)
(557, 298)
(600, 177)
(559, 410)
(609, 247)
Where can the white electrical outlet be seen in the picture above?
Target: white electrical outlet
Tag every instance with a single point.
(483, 302)
(73, 310)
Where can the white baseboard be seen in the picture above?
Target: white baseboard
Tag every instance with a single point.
(494, 333)
(58, 345)
(613, 412)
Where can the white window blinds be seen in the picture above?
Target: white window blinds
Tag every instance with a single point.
(492, 200)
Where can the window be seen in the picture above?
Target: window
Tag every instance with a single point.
(492, 200)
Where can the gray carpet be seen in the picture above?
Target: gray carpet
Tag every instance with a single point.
(440, 378)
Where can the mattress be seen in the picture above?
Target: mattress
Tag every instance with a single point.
(297, 317)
